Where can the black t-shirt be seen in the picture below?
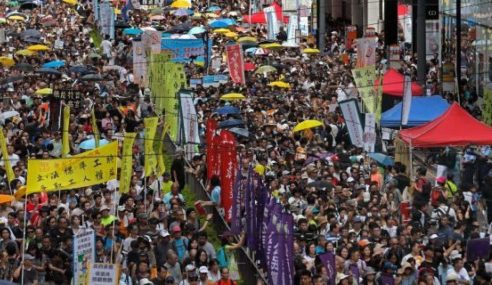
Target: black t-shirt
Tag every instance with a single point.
(403, 181)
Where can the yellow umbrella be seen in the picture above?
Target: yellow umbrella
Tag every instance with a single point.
(231, 35)
(3, 20)
(6, 61)
(211, 15)
(25, 52)
(16, 18)
(307, 124)
(181, 4)
(271, 46)
(21, 192)
(196, 15)
(71, 2)
(222, 31)
(44, 91)
(232, 96)
(38, 48)
(6, 198)
(311, 50)
(247, 40)
(280, 84)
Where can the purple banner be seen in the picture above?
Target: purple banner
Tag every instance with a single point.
(328, 260)
(236, 219)
(477, 249)
(354, 269)
(289, 248)
(280, 248)
(261, 199)
(387, 280)
(264, 230)
(250, 211)
(272, 250)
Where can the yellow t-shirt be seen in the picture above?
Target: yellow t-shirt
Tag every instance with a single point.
(166, 187)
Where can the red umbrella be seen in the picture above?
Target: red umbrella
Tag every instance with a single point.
(394, 82)
(249, 66)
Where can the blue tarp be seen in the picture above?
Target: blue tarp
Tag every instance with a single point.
(424, 109)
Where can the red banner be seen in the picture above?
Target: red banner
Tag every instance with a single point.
(235, 63)
(211, 127)
(214, 156)
(228, 170)
(351, 36)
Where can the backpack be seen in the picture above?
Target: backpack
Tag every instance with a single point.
(436, 195)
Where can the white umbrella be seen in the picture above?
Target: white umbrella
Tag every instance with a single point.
(7, 115)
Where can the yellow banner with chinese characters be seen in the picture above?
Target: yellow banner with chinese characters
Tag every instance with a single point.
(364, 78)
(161, 167)
(89, 168)
(65, 134)
(95, 130)
(149, 138)
(487, 105)
(5, 157)
(126, 171)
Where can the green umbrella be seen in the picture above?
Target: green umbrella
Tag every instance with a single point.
(265, 69)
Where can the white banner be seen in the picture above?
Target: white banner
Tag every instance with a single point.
(407, 100)
(272, 23)
(432, 39)
(189, 118)
(291, 30)
(152, 41)
(350, 112)
(139, 64)
(103, 274)
(84, 245)
(304, 26)
(370, 132)
(366, 51)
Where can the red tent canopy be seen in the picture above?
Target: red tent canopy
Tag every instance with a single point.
(394, 82)
(456, 127)
(259, 17)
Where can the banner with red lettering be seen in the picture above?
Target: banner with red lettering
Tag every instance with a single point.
(235, 63)
(228, 170)
(211, 127)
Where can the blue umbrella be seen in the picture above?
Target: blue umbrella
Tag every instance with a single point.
(54, 64)
(251, 50)
(213, 9)
(219, 24)
(183, 12)
(91, 144)
(231, 123)
(48, 71)
(382, 158)
(132, 31)
(240, 132)
(226, 110)
(196, 30)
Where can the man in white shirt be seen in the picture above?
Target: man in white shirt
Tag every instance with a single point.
(458, 268)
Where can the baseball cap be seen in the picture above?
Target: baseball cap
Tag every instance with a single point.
(203, 269)
(164, 233)
(190, 267)
(121, 208)
(146, 281)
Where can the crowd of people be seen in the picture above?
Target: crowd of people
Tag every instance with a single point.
(342, 201)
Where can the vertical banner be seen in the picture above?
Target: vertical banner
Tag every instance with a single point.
(228, 169)
(84, 245)
(370, 132)
(402, 152)
(271, 22)
(265, 219)
(328, 261)
(366, 51)
(216, 157)
(432, 39)
(65, 134)
(95, 129)
(106, 19)
(235, 63)
(236, 217)
(272, 249)
(104, 274)
(289, 248)
(350, 112)
(159, 146)
(351, 36)
(262, 195)
(152, 41)
(251, 209)
(304, 26)
(139, 63)
(5, 157)
(189, 118)
(210, 128)
(149, 137)
(407, 100)
(364, 78)
(394, 56)
(292, 29)
(478, 248)
(95, 9)
(487, 105)
(126, 171)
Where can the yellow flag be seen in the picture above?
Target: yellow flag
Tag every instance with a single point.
(65, 134)
(161, 167)
(149, 137)
(5, 157)
(126, 171)
(97, 135)
(86, 169)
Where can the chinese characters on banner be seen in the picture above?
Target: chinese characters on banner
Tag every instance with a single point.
(366, 51)
(89, 168)
(350, 112)
(126, 170)
(370, 132)
(149, 136)
(351, 36)
(228, 170)
(364, 80)
(487, 105)
(139, 63)
(235, 63)
(103, 274)
(83, 254)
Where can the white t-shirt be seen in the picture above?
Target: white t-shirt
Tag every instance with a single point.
(463, 274)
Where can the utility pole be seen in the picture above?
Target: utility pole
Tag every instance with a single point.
(421, 61)
(458, 47)
(321, 24)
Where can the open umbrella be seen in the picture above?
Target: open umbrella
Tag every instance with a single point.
(21, 192)
(222, 31)
(213, 9)
(321, 185)
(183, 12)
(280, 84)
(91, 144)
(50, 71)
(211, 15)
(11, 79)
(91, 77)
(265, 69)
(16, 18)
(232, 96)
(28, 5)
(221, 23)
(247, 40)
(132, 31)
(71, 2)
(196, 30)
(6, 198)
(307, 124)
(38, 48)
(44, 91)
(181, 4)
(30, 33)
(157, 17)
(6, 61)
(381, 158)
(231, 123)
(228, 110)
(271, 46)
(240, 132)
(25, 52)
(181, 28)
(54, 64)
(7, 115)
(310, 51)
(82, 69)
(231, 35)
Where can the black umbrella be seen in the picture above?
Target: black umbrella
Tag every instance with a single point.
(82, 69)
(26, 67)
(28, 5)
(240, 132)
(120, 24)
(31, 33)
(181, 28)
(11, 79)
(321, 185)
(91, 77)
(231, 123)
(50, 71)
